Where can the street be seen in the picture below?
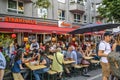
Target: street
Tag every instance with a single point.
(95, 75)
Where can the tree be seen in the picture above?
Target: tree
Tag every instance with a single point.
(110, 9)
(5, 40)
(42, 3)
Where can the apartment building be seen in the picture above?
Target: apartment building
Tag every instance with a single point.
(73, 11)
(23, 18)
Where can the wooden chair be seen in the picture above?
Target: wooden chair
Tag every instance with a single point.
(95, 63)
(77, 69)
(52, 73)
(17, 76)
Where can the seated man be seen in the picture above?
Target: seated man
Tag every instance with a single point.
(71, 55)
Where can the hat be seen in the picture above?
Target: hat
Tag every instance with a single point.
(108, 34)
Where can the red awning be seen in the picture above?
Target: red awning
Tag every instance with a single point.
(17, 27)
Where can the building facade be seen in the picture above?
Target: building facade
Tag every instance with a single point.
(73, 11)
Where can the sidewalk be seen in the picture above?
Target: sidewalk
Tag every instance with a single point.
(95, 75)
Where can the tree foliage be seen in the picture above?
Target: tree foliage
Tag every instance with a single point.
(5, 40)
(42, 3)
(110, 9)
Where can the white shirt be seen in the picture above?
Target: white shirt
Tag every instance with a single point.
(106, 48)
(2, 61)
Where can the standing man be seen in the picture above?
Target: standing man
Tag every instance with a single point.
(2, 65)
(104, 50)
(34, 45)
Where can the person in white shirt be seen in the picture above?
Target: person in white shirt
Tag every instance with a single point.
(104, 50)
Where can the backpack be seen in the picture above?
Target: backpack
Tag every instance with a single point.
(48, 61)
(97, 49)
(12, 60)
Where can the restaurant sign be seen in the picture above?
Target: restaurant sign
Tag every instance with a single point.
(64, 24)
(18, 20)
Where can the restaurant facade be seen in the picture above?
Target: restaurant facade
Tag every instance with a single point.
(27, 28)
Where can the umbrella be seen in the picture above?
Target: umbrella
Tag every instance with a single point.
(94, 28)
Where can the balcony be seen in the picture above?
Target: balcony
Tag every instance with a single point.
(76, 8)
(24, 0)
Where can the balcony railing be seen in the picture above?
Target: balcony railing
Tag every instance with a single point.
(77, 7)
(24, 0)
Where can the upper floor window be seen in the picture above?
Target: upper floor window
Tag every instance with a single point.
(42, 13)
(62, 1)
(76, 1)
(15, 7)
(85, 18)
(61, 15)
(76, 17)
(97, 6)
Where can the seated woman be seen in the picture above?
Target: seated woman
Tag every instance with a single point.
(35, 54)
(43, 60)
(17, 67)
(79, 56)
(57, 64)
(88, 51)
(18, 62)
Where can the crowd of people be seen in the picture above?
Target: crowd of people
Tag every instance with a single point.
(61, 51)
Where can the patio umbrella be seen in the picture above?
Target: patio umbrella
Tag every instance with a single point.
(94, 28)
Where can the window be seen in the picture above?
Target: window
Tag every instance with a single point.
(61, 15)
(76, 17)
(92, 19)
(97, 6)
(62, 1)
(42, 13)
(76, 1)
(15, 7)
(85, 18)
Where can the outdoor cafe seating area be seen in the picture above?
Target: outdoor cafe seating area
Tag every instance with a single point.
(69, 65)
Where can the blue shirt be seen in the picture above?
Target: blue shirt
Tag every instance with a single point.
(72, 55)
(16, 66)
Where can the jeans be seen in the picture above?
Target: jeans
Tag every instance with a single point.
(37, 73)
(25, 72)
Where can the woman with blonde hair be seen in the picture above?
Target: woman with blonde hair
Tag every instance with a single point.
(116, 48)
(116, 45)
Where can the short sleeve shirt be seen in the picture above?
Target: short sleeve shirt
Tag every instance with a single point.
(16, 67)
(106, 48)
(2, 61)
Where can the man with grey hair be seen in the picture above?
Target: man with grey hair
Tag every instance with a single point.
(34, 45)
(71, 53)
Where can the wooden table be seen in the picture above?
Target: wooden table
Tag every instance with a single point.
(50, 57)
(68, 62)
(65, 61)
(88, 58)
(35, 67)
(17, 76)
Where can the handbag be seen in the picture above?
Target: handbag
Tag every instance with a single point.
(85, 62)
